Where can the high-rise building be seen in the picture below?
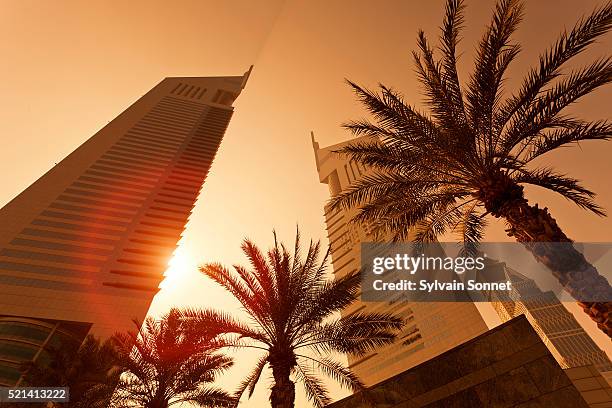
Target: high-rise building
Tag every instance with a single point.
(431, 329)
(565, 338)
(83, 249)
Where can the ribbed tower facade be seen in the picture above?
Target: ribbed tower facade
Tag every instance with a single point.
(565, 338)
(431, 328)
(84, 248)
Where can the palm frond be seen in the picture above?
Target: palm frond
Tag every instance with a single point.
(451, 28)
(316, 391)
(471, 229)
(204, 321)
(542, 114)
(374, 153)
(439, 97)
(355, 334)
(392, 113)
(569, 45)
(208, 397)
(367, 188)
(333, 296)
(249, 383)
(443, 216)
(261, 269)
(338, 372)
(599, 130)
(484, 85)
(568, 187)
(236, 287)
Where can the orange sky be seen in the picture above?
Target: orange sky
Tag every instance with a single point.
(69, 67)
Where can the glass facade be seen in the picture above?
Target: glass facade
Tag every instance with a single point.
(24, 340)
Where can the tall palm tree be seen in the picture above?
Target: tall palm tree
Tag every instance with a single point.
(471, 154)
(164, 366)
(89, 371)
(293, 313)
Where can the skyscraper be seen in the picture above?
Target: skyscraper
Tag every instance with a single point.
(565, 338)
(83, 249)
(431, 329)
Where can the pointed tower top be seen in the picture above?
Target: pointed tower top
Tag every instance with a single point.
(315, 147)
(246, 76)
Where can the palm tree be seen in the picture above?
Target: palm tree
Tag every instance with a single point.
(470, 156)
(164, 366)
(88, 370)
(293, 312)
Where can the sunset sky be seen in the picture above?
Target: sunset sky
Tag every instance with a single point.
(69, 67)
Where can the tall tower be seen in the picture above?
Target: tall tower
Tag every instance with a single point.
(83, 249)
(565, 338)
(431, 329)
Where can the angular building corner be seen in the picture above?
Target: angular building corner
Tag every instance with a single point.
(84, 248)
(508, 366)
(567, 341)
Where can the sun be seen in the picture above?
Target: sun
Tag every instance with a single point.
(179, 261)
(179, 265)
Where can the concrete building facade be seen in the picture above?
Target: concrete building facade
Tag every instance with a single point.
(84, 248)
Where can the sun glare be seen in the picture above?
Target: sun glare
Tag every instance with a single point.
(178, 267)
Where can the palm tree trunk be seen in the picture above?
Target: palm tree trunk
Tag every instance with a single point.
(158, 400)
(283, 391)
(537, 229)
(157, 404)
